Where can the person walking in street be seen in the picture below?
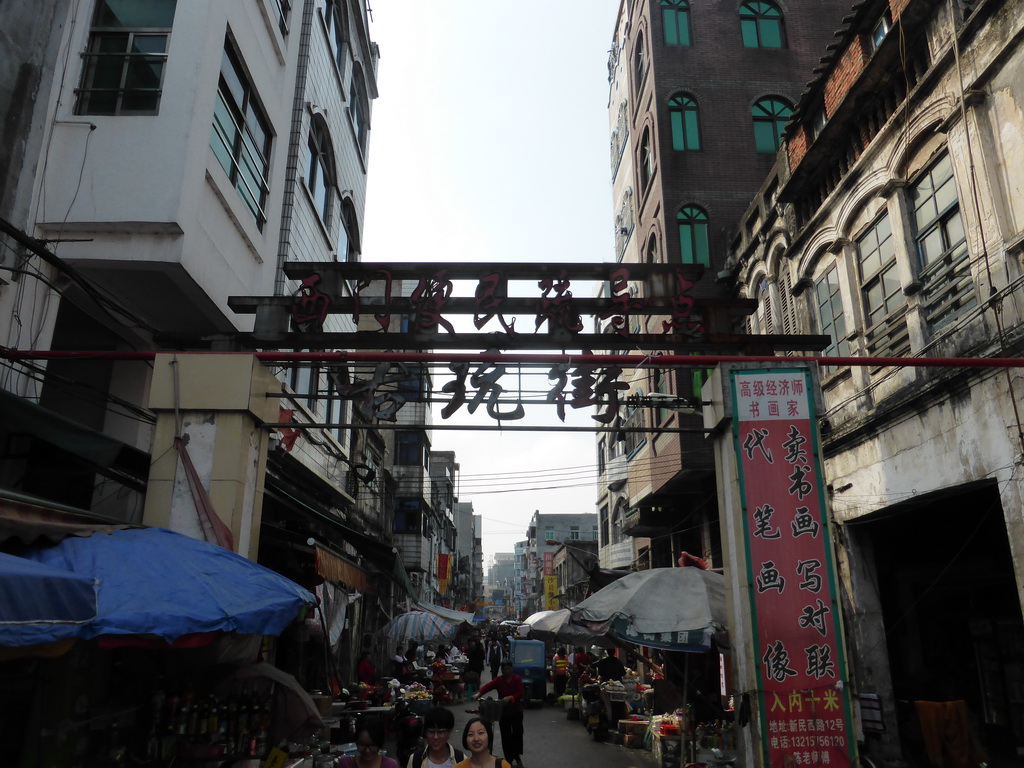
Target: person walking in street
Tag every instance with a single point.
(494, 656)
(560, 670)
(511, 691)
(436, 752)
(474, 667)
(478, 738)
(369, 741)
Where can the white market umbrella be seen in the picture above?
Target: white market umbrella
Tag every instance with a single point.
(420, 626)
(658, 600)
(557, 625)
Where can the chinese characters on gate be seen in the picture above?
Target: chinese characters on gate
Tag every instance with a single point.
(806, 714)
(576, 386)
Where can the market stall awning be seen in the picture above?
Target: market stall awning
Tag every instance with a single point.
(663, 603)
(445, 613)
(35, 596)
(159, 584)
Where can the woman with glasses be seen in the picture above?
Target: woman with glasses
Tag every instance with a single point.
(369, 741)
(477, 737)
(437, 752)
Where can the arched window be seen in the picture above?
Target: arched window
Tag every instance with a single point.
(646, 160)
(652, 250)
(675, 19)
(684, 116)
(761, 24)
(640, 62)
(693, 235)
(334, 19)
(320, 170)
(359, 108)
(770, 118)
(348, 233)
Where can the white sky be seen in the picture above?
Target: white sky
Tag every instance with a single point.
(490, 143)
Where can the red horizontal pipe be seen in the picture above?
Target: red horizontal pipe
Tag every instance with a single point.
(628, 361)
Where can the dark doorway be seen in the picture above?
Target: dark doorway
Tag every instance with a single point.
(952, 615)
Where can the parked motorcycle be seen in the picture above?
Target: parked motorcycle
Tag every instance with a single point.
(593, 713)
(408, 731)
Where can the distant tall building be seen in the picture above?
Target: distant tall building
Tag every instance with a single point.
(698, 99)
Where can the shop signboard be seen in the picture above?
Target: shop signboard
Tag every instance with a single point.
(798, 644)
(551, 593)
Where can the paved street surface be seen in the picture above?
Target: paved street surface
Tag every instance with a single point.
(551, 740)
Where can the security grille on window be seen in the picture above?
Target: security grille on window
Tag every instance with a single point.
(124, 65)
(884, 302)
(943, 263)
(241, 136)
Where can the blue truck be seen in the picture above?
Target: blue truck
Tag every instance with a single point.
(529, 661)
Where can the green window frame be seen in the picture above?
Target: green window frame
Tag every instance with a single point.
(675, 22)
(761, 25)
(684, 116)
(127, 53)
(241, 137)
(694, 248)
(770, 116)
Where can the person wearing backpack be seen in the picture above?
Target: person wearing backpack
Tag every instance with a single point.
(437, 752)
(477, 737)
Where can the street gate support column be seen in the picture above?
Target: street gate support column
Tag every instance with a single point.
(785, 627)
(218, 402)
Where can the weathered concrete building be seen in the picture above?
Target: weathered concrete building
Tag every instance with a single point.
(893, 222)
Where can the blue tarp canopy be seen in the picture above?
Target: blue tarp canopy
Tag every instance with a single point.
(36, 595)
(156, 583)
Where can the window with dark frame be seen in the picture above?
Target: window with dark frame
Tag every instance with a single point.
(675, 21)
(320, 171)
(640, 62)
(879, 32)
(761, 25)
(304, 381)
(334, 21)
(684, 117)
(408, 516)
(358, 108)
(646, 160)
(408, 449)
(881, 291)
(943, 262)
(694, 248)
(127, 53)
(282, 8)
(770, 117)
(831, 321)
(240, 138)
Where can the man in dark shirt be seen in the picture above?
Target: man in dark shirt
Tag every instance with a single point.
(610, 668)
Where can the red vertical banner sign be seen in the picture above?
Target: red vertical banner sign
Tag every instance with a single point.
(549, 563)
(803, 694)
